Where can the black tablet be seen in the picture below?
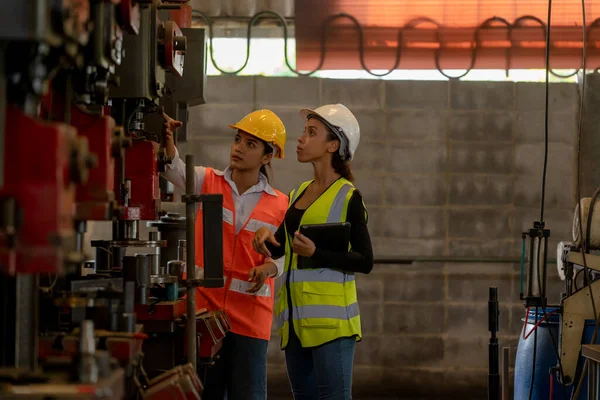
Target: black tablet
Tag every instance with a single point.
(332, 236)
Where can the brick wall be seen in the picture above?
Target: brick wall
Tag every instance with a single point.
(446, 169)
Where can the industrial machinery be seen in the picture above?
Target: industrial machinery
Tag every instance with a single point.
(575, 259)
(571, 324)
(83, 86)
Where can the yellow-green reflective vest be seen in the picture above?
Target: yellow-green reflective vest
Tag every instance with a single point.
(323, 300)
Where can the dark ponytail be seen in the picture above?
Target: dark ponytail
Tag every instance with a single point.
(339, 166)
(264, 169)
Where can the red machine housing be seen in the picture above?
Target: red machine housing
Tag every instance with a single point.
(141, 169)
(39, 168)
(182, 17)
(94, 198)
(163, 311)
(124, 347)
(211, 328)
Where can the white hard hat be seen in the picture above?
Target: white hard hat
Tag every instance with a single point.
(343, 124)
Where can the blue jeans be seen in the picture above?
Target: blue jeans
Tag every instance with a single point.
(240, 372)
(322, 372)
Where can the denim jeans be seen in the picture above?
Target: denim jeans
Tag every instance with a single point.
(322, 372)
(240, 372)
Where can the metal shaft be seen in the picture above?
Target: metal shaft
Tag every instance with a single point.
(190, 215)
(494, 373)
(505, 373)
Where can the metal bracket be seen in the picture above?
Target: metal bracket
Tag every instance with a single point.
(193, 198)
(576, 309)
(208, 283)
(592, 261)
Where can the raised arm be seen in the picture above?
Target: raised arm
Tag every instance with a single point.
(175, 172)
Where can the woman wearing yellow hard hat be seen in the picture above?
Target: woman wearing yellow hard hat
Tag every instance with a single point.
(317, 309)
(249, 203)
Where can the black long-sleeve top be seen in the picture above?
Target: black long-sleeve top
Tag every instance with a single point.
(359, 259)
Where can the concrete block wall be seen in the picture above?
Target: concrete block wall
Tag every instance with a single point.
(446, 169)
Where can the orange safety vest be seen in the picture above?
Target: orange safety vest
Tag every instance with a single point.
(250, 314)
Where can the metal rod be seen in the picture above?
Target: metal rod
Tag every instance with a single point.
(506, 373)
(2, 116)
(447, 259)
(493, 374)
(190, 219)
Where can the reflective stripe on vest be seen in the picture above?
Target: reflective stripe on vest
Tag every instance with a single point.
(318, 275)
(337, 208)
(253, 225)
(238, 285)
(320, 311)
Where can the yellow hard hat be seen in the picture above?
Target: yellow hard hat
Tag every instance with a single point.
(265, 125)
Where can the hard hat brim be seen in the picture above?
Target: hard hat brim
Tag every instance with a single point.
(278, 154)
(305, 112)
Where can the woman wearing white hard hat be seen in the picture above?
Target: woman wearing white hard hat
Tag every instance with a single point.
(249, 202)
(317, 310)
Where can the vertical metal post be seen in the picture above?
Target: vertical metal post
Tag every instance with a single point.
(494, 376)
(506, 373)
(190, 219)
(212, 224)
(592, 379)
(19, 321)
(3, 103)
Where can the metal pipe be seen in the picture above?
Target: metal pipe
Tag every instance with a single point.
(506, 373)
(447, 259)
(190, 219)
(132, 229)
(3, 79)
(80, 228)
(88, 367)
(493, 373)
(155, 237)
(144, 266)
(181, 250)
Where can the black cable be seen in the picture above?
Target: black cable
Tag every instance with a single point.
(575, 279)
(543, 197)
(542, 206)
(535, 332)
(546, 108)
(361, 46)
(542, 202)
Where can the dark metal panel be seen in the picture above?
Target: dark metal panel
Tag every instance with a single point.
(191, 87)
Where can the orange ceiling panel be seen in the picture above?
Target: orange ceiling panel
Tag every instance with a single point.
(445, 34)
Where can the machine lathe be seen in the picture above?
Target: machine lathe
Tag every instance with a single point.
(83, 87)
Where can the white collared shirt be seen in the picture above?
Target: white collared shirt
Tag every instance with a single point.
(244, 203)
